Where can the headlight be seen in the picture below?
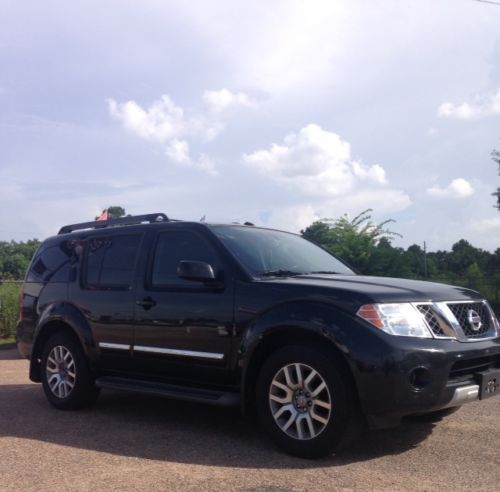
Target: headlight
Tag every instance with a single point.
(401, 319)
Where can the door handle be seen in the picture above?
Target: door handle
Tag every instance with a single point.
(146, 303)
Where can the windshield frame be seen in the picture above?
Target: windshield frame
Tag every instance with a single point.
(268, 274)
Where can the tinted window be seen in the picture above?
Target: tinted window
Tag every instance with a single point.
(110, 261)
(51, 264)
(171, 248)
(264, 251)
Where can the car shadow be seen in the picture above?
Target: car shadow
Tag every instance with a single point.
(154, 428)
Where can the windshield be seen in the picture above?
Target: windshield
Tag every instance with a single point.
(265, 252)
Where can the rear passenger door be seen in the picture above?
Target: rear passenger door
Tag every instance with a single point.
(184, 328)
(105, 294)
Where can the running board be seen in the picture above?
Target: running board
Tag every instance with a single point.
(185, 393)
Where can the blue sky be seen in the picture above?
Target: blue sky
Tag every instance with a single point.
(275, 112)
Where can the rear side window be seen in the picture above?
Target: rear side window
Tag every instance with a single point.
(110, 262)
(173, 247)
(51, 263)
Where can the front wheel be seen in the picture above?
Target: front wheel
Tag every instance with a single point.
(305, 401)
(66, 378)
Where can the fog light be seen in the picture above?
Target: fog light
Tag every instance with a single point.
(419, 378)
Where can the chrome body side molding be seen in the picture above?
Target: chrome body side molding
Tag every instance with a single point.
(181, 353)
(114, 346)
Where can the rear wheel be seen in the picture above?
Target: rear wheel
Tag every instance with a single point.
(66, 378)
(305, 402)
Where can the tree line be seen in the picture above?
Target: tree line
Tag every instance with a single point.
(367, 247)
(364, 245)
(15, 258)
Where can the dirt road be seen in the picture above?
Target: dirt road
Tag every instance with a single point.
(128, 442)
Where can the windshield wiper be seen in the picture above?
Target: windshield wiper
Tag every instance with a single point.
(278, 273)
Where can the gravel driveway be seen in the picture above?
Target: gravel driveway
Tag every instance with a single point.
(128, 442)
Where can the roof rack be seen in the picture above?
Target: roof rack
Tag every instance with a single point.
(98, 224)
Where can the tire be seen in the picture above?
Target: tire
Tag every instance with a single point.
(67, 381)
(312, 418)
(434, 416)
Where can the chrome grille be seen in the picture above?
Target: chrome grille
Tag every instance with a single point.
(464, 321)
(430, 317)
(468, 316)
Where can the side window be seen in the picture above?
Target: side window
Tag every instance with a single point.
(52, 263)
(171, 248)
(110, 262)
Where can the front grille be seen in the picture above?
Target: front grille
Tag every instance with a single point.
(473, 317)
(475, 320)
(430, 317)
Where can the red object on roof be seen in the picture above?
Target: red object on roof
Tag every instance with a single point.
(104, 215)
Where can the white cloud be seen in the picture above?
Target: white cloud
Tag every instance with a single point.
(315, 161)
(218, 101)
(458, 188)
(167, 123)
(206, 164)
(482, 107)
(178, 151)
(161, 122)
(375, 173)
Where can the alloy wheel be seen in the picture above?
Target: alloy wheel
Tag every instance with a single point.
(61, 371)
(300, 401)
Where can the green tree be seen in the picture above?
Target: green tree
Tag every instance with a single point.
(367, 247)
(389, 261)
(414, 259)
(15, 258)
(462, 256)
(115, 212)
(355, 241)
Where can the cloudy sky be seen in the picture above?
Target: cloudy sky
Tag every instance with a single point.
(277, 112)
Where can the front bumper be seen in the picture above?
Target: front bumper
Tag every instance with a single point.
(399, 376)
(464, 394)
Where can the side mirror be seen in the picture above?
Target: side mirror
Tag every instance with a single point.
(197, 271)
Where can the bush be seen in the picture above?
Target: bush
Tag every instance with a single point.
(9, 308)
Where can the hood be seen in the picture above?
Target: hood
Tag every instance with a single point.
(378, 289)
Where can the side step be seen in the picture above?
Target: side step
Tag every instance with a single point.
(185, 393)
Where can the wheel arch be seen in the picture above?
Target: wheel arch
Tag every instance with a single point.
(59, 318)
(277, 338)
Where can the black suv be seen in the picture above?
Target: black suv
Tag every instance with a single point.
(241, 315)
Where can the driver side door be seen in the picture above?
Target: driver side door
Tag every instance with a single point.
(184, 328)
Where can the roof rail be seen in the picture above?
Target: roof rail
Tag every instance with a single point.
(98, 224)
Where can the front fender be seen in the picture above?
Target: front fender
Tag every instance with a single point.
(327, 322)
(296, 322)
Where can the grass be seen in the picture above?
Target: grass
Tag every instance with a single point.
(9, 313)
(7, 342)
